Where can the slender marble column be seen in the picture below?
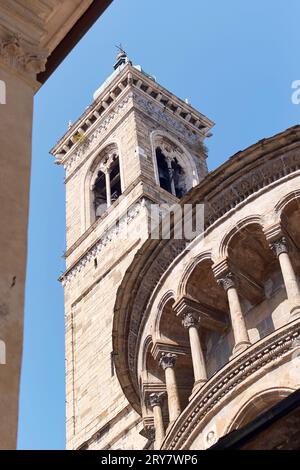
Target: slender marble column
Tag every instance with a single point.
(155, 400)
(167, 362)
(240, 333)
(281, 250)
(170, 169)
(200, 374)
(108, 188)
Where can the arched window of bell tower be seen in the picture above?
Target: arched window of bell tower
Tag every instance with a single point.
(105, 183)
(100, 195)
(175, 170)
(171, 174)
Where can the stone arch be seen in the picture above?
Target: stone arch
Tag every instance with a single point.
(241, 224)
(171, 337)
(289, 198)
(256, 268)
(167, 298)
(258, 404)
(170, 145)
(148, 343)
(199, 284)
(189, 269)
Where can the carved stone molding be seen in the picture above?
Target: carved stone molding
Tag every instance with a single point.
(110, 234)
(106, 164)
(156, 399)
(249, 183)
(203, 315)
(280, 246)
(159, 114)
(237, 371)
(24, 58)
(89, 143)
(227, 281)
(189, 320)
(167, 360)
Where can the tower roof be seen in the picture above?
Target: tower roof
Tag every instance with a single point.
(125, 78)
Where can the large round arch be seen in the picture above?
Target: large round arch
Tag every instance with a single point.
(258, 404)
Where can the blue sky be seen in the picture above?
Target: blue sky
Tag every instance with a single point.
(234, 60)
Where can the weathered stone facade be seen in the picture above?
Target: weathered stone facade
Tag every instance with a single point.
(235, 288)
(163, 334)
(130, 115)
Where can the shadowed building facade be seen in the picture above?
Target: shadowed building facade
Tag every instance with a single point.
(173, 342)
(35, 36)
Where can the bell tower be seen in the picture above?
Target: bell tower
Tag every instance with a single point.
(137, 144)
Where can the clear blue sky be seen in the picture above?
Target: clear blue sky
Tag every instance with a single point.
(234, 60)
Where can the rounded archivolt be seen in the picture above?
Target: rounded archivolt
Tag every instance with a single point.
(103, 183)
(175, 169)
(189, 269)
(257, 405)
(239, 226)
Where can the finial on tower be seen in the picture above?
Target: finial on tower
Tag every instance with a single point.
(121, 57)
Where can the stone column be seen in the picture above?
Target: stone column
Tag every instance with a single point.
(167, 362)
(281, 249)
(200, 375)
(170, 170)
(108, 188)
(155, 400)
(240, 333)
(18, 68)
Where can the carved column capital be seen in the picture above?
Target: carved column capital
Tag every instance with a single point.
(156, 399)
(189, 320)
(227, 281)
(106, 163)
(21, 56)
(167, 360)
(280, 246)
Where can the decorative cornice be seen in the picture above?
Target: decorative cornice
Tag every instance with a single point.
(153, 97)
(160, 115)
(88, 144)
(248, 183)
(110, 235)
(237, 371)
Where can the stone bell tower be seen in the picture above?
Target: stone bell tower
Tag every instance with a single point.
(137, 144)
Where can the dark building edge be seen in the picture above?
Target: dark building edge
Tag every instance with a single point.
(83, 24)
